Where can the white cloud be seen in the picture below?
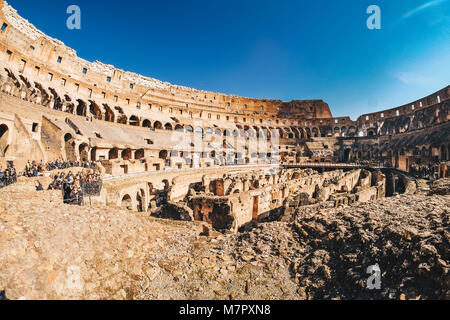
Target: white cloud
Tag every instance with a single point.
(423, 7)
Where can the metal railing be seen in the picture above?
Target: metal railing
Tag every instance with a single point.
(7, 180)
(171, 170)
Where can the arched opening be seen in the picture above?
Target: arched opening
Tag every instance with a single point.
(140, 196)
(134, 121)
(69, 147)
(199, 130)
(113, 154)
(189, 129)
(157, 125)
(109, 114)
(94, 154)
(81, 108)
(122, 119)
(347, 155)
(4, 135)
(139, 154)
(95, 110)
(351, 132)
(168, 127)
(126, 154)
(315, 132)
(308, 133)
(127, 203)
(280, 133)
(84, 152)
(146, 123)
(163, 154)
(179, 128)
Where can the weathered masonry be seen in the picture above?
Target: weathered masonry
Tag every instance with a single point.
(153, 140)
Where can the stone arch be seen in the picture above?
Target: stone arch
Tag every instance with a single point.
(95, 110)
(139, 154)
(296, 132)
(126, 154)
(189, 129)
(179, 128)
(337, 132)
(109, 114)
(4, 136)
(81, 108)
(84, 152)
(69, 147)
(343, 131)
(163, 154)
(168, 127)
(94, 154)
(280, 132)
(315, 133)
(122, 119)
(127, 203)
(166, 184)
(308, 133)
(134, 121)
(351, 131)
(199, 130)
(146, 123)
(157, 125)
(113, 154)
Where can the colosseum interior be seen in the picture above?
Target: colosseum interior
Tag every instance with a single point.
(180, 152)
(226, 163)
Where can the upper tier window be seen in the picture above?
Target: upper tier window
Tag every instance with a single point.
(84, 70)
(131, 86)
(108, 79)
(4, 26)
(59, 60)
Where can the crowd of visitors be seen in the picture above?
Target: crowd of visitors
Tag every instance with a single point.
(34, 168)
(7, 176)
(72, 185)
(423, 172)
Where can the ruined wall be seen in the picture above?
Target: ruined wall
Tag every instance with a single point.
(268, 197)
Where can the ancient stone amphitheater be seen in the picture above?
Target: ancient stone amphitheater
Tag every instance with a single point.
(185, 154)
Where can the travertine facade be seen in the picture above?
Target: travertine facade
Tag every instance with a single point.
(156, 141)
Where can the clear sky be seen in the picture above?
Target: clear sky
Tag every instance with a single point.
(285, 49)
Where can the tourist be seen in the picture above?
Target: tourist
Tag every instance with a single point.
(38, 186)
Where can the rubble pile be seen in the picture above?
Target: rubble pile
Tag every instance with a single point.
(54, 251)
(440, 187)
(407, 236)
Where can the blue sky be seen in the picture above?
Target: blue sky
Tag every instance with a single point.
(308, 49)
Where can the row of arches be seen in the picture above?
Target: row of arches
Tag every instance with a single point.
(146, 197)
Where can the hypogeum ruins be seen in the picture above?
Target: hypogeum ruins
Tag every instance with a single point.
(260, 190)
